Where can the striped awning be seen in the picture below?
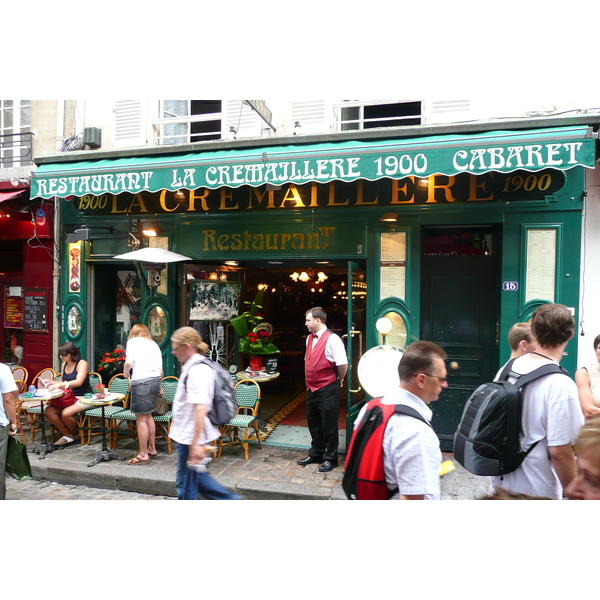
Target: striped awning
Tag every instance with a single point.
(503, 151)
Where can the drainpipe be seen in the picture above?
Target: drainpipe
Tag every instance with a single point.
(57, 314)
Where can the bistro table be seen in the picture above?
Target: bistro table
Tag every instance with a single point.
(259, 377)
(105, 453)
(28, 401)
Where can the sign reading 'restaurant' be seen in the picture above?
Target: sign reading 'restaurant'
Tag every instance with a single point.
(311, 163)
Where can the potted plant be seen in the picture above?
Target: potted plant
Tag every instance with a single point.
(100, 391)
(111, 363)
(255, 334)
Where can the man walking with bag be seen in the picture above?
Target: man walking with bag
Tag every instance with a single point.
(191, 428)
(551, 413)
(8, 419)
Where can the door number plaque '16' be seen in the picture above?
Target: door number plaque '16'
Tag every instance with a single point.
(510, 286)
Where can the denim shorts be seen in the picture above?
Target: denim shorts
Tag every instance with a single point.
(144, 393)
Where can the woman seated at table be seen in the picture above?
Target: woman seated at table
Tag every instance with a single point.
(74, 376)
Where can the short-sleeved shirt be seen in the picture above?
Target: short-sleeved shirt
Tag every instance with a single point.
(145, 357)
(196, 386)
(551, 414)
(411, 449)
(7, 384)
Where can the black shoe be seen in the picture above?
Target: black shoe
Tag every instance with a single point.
(309, 460)
(328, 465)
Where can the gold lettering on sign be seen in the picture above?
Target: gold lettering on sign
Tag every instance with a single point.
(259, 196)
(360, 201)
(409, 196)
(114, 210)
(225, 198)
(163, 203)
(432, 186)
(138, 201)
(293, 195)
(202, 197)
(478, 182)
(214, 242)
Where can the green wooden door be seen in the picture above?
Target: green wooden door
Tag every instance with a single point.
(459, 312)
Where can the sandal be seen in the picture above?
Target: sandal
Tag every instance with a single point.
(67, 442)
(136, 460)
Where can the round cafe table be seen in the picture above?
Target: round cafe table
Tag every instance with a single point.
(41, 396)
(105, 453)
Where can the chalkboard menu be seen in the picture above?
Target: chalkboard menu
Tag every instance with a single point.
(35, 309)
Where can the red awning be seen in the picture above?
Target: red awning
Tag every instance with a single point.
(8, 195)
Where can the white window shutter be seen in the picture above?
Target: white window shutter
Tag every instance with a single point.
(312, 115)
(448, 111)
(242, 118)
(130, 123)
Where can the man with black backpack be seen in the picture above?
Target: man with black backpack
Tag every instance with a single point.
(551, 414)
(411, 449)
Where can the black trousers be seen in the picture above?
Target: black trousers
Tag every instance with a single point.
(322, 413)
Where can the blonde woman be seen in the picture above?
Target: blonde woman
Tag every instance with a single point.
(143, 364)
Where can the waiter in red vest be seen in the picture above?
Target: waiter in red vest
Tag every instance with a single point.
(325, 366)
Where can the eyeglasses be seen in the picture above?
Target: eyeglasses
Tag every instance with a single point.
(64, 353)
(445, 379)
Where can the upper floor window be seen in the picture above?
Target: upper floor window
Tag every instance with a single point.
(188, 121)
(15, 134)
(357, 114)
(185, 121)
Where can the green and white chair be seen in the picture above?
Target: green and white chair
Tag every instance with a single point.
(237, 431)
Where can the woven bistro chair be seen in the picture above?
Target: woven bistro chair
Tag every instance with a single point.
(237, 430)
(47, 373)
(163, 422)
(31, 410)
(119, 384)
(82, 416)
(20, 374)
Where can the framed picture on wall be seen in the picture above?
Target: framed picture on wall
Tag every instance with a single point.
(213, 300)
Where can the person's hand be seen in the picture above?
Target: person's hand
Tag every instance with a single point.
(13, 430)
(197, 453)
(591, 411)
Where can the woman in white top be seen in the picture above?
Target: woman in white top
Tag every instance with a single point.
(144, 358)
(588, 385)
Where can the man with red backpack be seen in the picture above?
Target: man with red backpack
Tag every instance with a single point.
(411, 449)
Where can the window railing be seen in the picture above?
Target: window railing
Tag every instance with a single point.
(16, 149)
(182, 137)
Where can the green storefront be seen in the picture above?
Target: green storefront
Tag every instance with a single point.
(453, 236)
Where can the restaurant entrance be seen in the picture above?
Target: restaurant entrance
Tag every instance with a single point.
(290, 288)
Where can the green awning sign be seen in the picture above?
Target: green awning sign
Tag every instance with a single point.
(503, 151)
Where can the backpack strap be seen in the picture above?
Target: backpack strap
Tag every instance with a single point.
(411, 412)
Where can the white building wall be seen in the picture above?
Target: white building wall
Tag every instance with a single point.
(589, 307)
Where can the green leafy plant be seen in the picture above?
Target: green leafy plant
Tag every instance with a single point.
(255, 334)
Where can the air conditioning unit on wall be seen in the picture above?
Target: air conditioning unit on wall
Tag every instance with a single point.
(92, 137)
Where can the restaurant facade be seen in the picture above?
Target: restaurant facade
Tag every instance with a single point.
(454, 233)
